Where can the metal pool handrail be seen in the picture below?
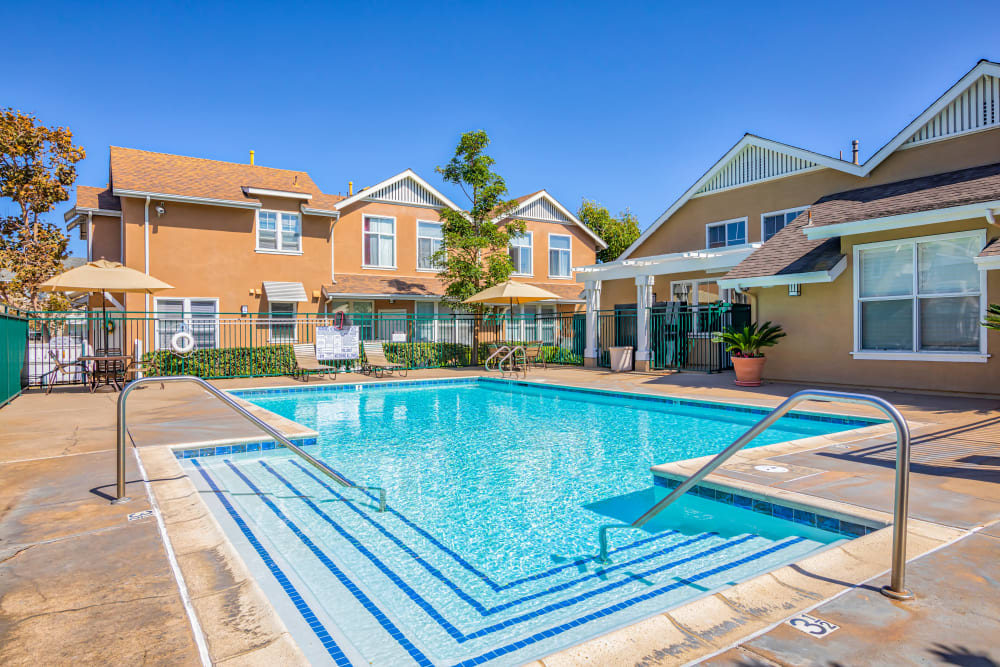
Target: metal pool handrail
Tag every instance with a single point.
(896, 589)
(240, 410)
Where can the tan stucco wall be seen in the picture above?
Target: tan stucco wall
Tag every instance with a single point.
(106, 241)
(820, 327)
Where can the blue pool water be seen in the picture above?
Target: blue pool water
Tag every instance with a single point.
(496, 491)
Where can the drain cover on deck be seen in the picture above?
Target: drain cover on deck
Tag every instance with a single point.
(771, 468)
(812, 626)
(136, 516)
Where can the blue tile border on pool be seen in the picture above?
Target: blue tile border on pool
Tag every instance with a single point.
(241, 448)
(670, 400)
(830, 524)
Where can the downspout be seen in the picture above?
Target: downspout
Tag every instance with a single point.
(145, 238)
(90, 236)
(991, 217)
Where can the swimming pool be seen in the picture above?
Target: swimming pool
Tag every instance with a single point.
(496, 490)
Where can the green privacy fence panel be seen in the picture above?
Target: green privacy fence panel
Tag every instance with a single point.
(229, 345)
(615, 328)
(680, 336)
(13, 339)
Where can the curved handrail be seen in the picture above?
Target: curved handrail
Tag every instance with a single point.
(896, 589)
(511, 359)
(240, 410)
(486, 364)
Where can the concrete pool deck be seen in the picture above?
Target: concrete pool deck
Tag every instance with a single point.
(81, 583)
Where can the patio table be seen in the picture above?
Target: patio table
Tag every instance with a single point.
(108, 368)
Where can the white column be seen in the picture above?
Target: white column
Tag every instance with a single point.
(592, 294)
(643, 302)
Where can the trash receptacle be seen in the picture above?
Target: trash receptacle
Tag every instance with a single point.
(621, 359)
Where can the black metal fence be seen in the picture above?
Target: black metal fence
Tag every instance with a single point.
(680, 336)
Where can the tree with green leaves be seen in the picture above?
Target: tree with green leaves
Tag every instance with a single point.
(619, 233)
(37, 165)
(475, 252)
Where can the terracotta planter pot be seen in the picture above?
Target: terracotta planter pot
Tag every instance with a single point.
(748, 370)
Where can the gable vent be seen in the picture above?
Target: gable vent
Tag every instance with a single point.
(754, 164)
(407, 191)
(541, 209)
(975, 109)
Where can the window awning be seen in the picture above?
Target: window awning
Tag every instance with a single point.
(278, 292)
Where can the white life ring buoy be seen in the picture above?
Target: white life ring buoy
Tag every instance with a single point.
(182, 342)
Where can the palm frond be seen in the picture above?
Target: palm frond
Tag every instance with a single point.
(992, 320)
(748, 341)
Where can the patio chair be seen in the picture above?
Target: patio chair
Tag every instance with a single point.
(534, 354)
(376, 364)
(67, 368)
(306, 363)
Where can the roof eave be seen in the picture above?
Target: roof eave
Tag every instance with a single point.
(902, 221)
(827, 276)
(211, 201)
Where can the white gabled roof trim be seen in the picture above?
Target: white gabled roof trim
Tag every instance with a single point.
(185, 199)
(408, 173)
(788, 278)
(288, 194)
(982, 68)
(308, 210)
(933, 216)
(81, 210)
(747, 140)
(677, 262)
(544, 195)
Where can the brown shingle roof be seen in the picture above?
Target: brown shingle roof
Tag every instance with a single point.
(323, 201)
(416, 286)
(953, 188)
(992, 249)
(91, 197)
(145, 171)
(790, 252)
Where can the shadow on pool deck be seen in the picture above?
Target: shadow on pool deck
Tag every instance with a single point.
(80, 583)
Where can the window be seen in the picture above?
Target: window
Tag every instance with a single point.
(920, 295)
(199, 317)
(730, 232)
(286, 239)
(520, 254)
(430, 239)
(559, 256)
(772, 223)
(356, 313)
(380, 242)
(282, 322)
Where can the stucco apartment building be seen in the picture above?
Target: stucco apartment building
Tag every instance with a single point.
(880, 272)
(247, 240)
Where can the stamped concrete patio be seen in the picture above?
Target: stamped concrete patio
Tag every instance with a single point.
(81, 583)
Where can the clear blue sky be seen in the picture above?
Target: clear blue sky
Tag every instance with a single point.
(624, 103)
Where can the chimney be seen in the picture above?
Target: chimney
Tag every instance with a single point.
(854, 150)
(251, 158)
(350, 188)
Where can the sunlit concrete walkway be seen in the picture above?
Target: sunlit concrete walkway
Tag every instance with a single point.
(81, 583)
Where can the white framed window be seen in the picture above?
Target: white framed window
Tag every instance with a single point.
(559, 256)
(920, 298)
(430, 239)
(379, 242)
(199, 317)
(279, 232)
(281, 322)
(520, 254)
(726, 233)
(773, 222)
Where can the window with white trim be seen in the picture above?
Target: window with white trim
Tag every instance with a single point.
(921, 295)
(281, 322)
(520, 254)
(379, 242)
(278, 231)
(559, 256)
(726, 233)
(198, 317)
(772, 223)
(430, 239)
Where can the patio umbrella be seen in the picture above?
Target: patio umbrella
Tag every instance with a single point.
(104, 276)
(510, 293)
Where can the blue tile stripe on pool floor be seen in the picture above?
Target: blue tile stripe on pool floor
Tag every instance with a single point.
(435, 615)
(335, 652)
(455, 588)
(344, 580)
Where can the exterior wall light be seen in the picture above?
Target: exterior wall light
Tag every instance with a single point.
(795, 289)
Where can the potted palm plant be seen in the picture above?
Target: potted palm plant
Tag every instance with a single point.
(745, 346)
(993, 317)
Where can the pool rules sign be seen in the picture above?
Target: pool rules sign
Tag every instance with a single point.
(334, 344)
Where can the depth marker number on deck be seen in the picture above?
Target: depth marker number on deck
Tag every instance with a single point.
(815, 627)
(136, 516)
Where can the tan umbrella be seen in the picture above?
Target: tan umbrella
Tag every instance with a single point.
(511, 293)
(104, 276)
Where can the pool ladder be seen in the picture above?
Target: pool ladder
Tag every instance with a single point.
(511, 355)
(896, 588)
(120, 496)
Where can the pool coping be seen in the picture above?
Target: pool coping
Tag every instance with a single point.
(736, 612)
